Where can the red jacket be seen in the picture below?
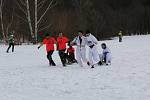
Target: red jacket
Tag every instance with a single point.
(61, 43)
(49, 43)
(70, 50)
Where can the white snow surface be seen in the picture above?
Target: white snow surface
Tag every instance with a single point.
(26, 75)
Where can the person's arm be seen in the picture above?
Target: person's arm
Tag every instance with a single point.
(67, 40)
(74, 41)
(57, 43)
(106, 51)
(41, 44)
(94, 39)
(67, 52)
(9, 38)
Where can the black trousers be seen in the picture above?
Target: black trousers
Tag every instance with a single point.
(71, 58)
(120, 39)
(62, 56)
(49, 57)
(11, 45)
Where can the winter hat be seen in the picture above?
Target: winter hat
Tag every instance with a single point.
(47, 34)
(80, 31)
(103, 45)
(88, 32)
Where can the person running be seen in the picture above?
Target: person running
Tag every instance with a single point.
(120, 36)
(61, 47)
(49, 42)
(80, 42)
(11, 41)
(106, 55)
(93, 52)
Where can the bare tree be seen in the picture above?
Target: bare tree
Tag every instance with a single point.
(29, 18)
(39, 15)
(24, 7)
(1, 18)
(10, 23)
(5, 27)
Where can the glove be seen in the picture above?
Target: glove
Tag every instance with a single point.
(38, 47)
(92, 46)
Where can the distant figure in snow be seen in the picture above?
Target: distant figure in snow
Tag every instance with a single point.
(61, 47)
(105, 57)
(49, 42)
(92, 42)
(11, 41)
(70, 54)
(120, 35)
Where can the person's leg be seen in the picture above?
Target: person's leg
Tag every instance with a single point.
(104, 57)
(120, 39)
(67, 58)
(108, 58)
(95, 55)
(83, 55)
(90, 56)
(13, 47)
(8, 47)
(78, 57)
(72, 57)
(49, 56)
(62, 57)
(101, 59)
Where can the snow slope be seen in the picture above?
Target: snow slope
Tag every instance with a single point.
(25, 74)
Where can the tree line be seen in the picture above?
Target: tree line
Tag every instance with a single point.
(104, 18)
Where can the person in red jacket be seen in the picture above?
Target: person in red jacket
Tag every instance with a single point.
(61, 47)
(49, 42)
(70, 55)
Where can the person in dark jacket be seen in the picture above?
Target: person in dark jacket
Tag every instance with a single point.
(120, 35)
(11, 41)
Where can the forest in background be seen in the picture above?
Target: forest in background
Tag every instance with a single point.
(104, 18)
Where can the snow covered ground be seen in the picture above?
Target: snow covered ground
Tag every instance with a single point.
(25, 74)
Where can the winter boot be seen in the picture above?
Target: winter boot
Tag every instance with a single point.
(92, 66)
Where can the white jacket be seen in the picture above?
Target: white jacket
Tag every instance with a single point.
(107, 50)
(80, 50)
(91, 40)
(77, 41)
(107, 54)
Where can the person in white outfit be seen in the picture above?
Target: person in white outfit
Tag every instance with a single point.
(106, 55)
(80, 42)
(92, 42)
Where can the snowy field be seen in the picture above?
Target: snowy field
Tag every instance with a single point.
(25, 74)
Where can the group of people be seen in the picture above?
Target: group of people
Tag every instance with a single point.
(67, 53)
(61, 47)
(82, 43)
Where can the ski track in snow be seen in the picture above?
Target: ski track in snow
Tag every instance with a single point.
(25, 74)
